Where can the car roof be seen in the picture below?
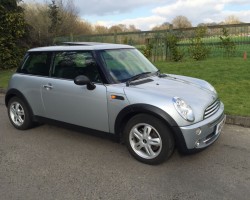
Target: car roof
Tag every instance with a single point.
(77, 46)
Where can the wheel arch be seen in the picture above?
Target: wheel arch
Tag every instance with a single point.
(132, 110)
(16, 93)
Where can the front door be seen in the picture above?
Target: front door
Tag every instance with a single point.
(67, 102)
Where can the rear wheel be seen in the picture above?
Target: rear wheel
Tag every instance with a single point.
(148, 139)
(19, 115)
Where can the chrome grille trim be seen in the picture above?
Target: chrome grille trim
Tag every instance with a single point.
(211, 109)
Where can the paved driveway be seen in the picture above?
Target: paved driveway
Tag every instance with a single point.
(50, 162)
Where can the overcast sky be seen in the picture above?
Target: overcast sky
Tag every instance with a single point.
(145, 14)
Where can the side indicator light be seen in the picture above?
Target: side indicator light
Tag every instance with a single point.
(117, 97)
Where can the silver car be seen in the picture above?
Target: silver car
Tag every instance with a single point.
(114, 89)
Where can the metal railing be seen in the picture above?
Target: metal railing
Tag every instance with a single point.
(239, 35)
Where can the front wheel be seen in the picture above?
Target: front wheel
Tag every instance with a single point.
(148, 139)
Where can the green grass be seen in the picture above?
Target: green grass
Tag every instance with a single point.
(216, 39)
(5, 77)
(230, 77)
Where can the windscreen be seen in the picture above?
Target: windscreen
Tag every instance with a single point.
(122, 64)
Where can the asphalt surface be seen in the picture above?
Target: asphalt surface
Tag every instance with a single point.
(50, 162)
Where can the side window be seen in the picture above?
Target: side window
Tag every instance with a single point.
(37, 64)
(69, 65)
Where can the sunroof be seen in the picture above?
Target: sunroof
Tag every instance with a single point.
(83, 43)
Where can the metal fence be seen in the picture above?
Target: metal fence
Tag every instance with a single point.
(239, 34)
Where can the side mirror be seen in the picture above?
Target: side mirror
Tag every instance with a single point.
(84, 80)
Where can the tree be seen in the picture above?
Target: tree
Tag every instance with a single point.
(132, 28)
(45, 26)
(232, 19)
(164, 26)
(121, 28)
(12, 29)
(71, 23)
(181, 22)
(207, 24)
(54, 17)
(37, 18)
(116, 29)
(98, 29)
(9, 4)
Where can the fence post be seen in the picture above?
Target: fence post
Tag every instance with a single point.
(115, 36)
(245, 55)
(167, 50)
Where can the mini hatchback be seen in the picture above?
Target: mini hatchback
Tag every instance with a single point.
(114, 89)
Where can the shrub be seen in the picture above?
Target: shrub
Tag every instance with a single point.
(147, 50)
(12, 30)
(227, 44)
(171, 43)
(197, 49)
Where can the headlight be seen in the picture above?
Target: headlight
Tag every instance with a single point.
(183, 109)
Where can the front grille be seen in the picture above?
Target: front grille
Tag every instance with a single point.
(213, 108)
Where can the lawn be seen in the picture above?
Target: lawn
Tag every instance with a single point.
(230, 77)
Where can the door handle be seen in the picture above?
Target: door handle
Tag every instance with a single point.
(48, 87)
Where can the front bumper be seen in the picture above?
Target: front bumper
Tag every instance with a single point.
(204, 133)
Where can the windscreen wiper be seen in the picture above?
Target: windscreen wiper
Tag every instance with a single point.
(136, 77)
(160, 75)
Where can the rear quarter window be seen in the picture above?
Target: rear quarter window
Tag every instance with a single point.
(36, 64)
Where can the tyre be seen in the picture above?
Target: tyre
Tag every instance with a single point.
(148, 139)
(19, 114)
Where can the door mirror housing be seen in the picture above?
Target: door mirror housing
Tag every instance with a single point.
(84, 80)
(81, 80)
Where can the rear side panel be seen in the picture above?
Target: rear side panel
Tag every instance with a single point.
(30, 87)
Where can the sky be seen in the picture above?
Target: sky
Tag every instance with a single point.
(145, 14)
